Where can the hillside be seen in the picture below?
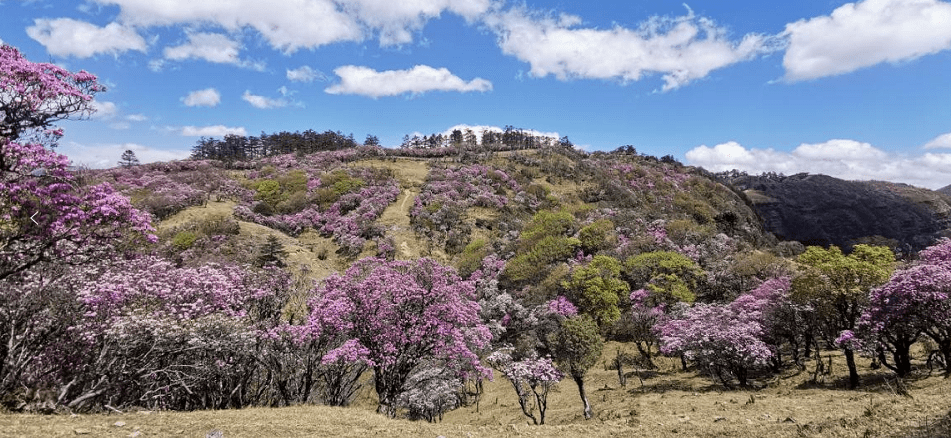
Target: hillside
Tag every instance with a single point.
(483, 199)
(822, 210)
(529, 241)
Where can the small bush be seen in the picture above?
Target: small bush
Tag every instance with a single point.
(184, 240)
(219, 225)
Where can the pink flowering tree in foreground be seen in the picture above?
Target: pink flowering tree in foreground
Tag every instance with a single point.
(914, 302)
(45, 214)
(398, 316)
(727, 341)
(160, 336)
(531, 377)
(49, 220)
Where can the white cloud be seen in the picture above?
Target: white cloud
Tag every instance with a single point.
(68, 37)
(212, 47)
(290, 25)
(212, 131)
(263, 102)
(103, 110)
(304, 74)
(395, 21)
(682, 49)
(136, 117)
(208, 97)
(846, 159)
(102, 156)
(862, 34)
(941, 141)
(419, 79)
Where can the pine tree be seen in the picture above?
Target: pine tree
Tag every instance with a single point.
(128, 159)
(272, 253)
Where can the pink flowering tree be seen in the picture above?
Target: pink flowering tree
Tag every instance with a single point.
(159, 336)
(531, 377)
(46, 215)
(48, 218)
(399, 315)
(727, 341)
(914, 302)
(36, 95)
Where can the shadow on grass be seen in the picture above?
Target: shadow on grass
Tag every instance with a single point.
(661, 382)
(880, 382)
(929, 428)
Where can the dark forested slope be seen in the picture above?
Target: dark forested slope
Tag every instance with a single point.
(822, 210)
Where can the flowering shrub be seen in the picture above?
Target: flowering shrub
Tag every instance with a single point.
(726, 340)
(398, 315)
(343, 204)
(914, 302)
(159, 336)
(164, 189)
(531, 377)
(429, 393)
(719, 340)
(439, 210)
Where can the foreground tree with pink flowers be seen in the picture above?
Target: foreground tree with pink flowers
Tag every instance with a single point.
(915, 302)
(49, 220)
(399, 316)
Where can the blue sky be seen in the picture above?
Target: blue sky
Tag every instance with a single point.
(855, 90)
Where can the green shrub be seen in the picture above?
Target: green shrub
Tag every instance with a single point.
(268, 191)
(545, 224)
(471, 257)
(184, 240)
(597, 236)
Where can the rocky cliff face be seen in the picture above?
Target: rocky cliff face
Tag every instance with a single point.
(822, 210)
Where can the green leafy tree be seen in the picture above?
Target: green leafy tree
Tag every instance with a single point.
(838, 285)
(670, 277)
(596, 289)
(577, 348)
(544, 240)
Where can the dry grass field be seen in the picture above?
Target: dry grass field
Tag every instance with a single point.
(668, 403)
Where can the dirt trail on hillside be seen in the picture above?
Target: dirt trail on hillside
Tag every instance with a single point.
(411, 175)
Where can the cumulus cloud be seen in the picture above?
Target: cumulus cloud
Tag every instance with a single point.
(103, 110)
(365, 81)
(846, 159)
(682, 49)
(941, 141)
(304, 74)
(263, 102)
(208, 97)
(290, 25)
(396, 21)
(212, 47)
(212, 131)
(862, 34)
(101, 156)
(68, 37)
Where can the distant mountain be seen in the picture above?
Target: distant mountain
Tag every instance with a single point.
(945, 190)
(822, 210)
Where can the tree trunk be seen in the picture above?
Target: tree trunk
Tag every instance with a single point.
(853, 371)
(579, 380)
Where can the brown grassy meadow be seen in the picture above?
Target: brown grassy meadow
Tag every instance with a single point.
(663, 403)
